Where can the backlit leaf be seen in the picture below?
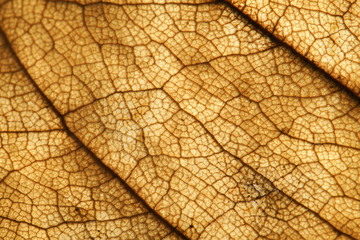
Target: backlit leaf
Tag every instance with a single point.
(169, 120)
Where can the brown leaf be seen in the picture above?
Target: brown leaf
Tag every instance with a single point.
(326, 32)
(141, 120)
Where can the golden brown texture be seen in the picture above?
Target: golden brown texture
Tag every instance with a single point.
(168, 120)
(50, 187)
(325, 31)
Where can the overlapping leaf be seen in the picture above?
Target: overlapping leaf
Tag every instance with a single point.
(326, 32)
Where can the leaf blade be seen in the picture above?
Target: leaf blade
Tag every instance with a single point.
(199, 125)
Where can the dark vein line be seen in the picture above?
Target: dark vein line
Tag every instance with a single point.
(82, 145)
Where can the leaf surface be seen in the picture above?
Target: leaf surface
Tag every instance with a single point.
(176, 120)
(326, 32)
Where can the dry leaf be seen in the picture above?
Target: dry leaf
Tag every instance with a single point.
(169, 120)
